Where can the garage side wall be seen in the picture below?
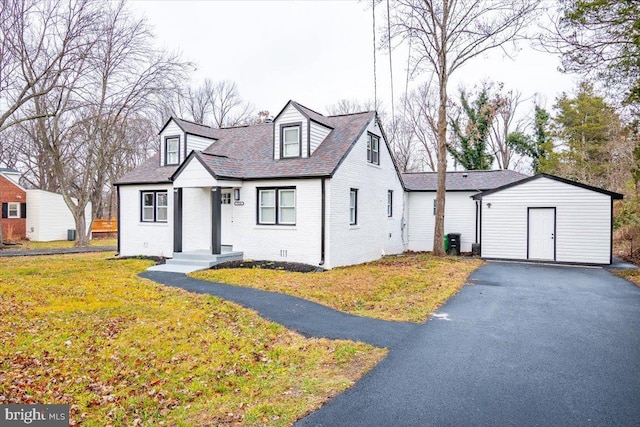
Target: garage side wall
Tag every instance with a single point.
(583, 221)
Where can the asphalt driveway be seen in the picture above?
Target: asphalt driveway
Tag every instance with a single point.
(526, 345)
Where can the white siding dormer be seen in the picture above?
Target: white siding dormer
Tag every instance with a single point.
(170, 133)
(198, 143)
(290, 117)
(317, 134)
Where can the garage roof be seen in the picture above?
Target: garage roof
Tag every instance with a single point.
(556, 178)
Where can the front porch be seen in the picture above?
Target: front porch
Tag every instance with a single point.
(187, 262)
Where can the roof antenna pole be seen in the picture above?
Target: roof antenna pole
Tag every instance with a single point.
(393, 111)
(375, 78)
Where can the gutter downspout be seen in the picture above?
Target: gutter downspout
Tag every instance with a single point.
(322, 221)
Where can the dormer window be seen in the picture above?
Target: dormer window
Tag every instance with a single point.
(290, 136)
(373, 149)
(172, 150)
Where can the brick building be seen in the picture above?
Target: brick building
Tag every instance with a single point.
(13, 200)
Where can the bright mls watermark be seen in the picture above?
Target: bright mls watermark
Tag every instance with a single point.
(34, 415)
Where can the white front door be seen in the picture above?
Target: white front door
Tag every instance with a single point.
(541, 234)
(226, 217)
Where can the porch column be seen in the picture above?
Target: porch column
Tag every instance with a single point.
(177, 220)
(216, 228)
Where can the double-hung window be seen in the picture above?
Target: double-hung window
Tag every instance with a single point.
(390, 203)
(353, 206)
(291, 140)
(277, 206)
(13, 210)
(172, 150)
(373, 149)
(154, 206)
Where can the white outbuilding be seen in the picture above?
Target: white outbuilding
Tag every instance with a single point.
(547, 218)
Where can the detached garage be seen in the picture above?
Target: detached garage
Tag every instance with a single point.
(547, 218)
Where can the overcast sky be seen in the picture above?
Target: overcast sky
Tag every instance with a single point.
(317, 52)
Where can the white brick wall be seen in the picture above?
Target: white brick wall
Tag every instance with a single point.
(375, 234)
(297, 243)
(196, 218)
(144, 238)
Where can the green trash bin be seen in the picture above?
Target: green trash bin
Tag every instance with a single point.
(71, 235)
(454, 243)
(446, 243)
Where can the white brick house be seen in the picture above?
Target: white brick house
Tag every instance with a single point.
(326, 191)
(305, 188)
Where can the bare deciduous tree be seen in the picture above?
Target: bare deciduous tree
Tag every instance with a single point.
(420, 109)
(87, 126)
(446, 34)
(505, 124)
(227, 106)
(40, 41)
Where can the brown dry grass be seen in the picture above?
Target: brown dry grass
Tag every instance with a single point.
(123, 351)
(407, 287)
(631, 275)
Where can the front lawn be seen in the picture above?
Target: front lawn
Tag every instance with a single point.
(83, 330)
(407, 287)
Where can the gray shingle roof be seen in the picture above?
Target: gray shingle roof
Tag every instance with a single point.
(194, 128)
(313, 115)
(461, 181)
(149, 172)
(247, 152)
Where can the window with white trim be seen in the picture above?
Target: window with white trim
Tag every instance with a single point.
(390, 203)
(373, 149)
(353, 206)
(13, 210)
(172, 150)
(277, 206)
(155, 206)
(226, 198)
(291, 141)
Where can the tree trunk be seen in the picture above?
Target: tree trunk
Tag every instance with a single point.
(438, 234)
(82, 234)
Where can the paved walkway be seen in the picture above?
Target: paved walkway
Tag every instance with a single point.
(38, 252)
(305, 317)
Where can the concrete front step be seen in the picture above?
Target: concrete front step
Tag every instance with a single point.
(186, 262)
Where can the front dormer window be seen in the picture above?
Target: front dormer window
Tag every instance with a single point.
(172, 150)
(291, 140)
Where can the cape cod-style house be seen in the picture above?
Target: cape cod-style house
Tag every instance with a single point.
(304, 188)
